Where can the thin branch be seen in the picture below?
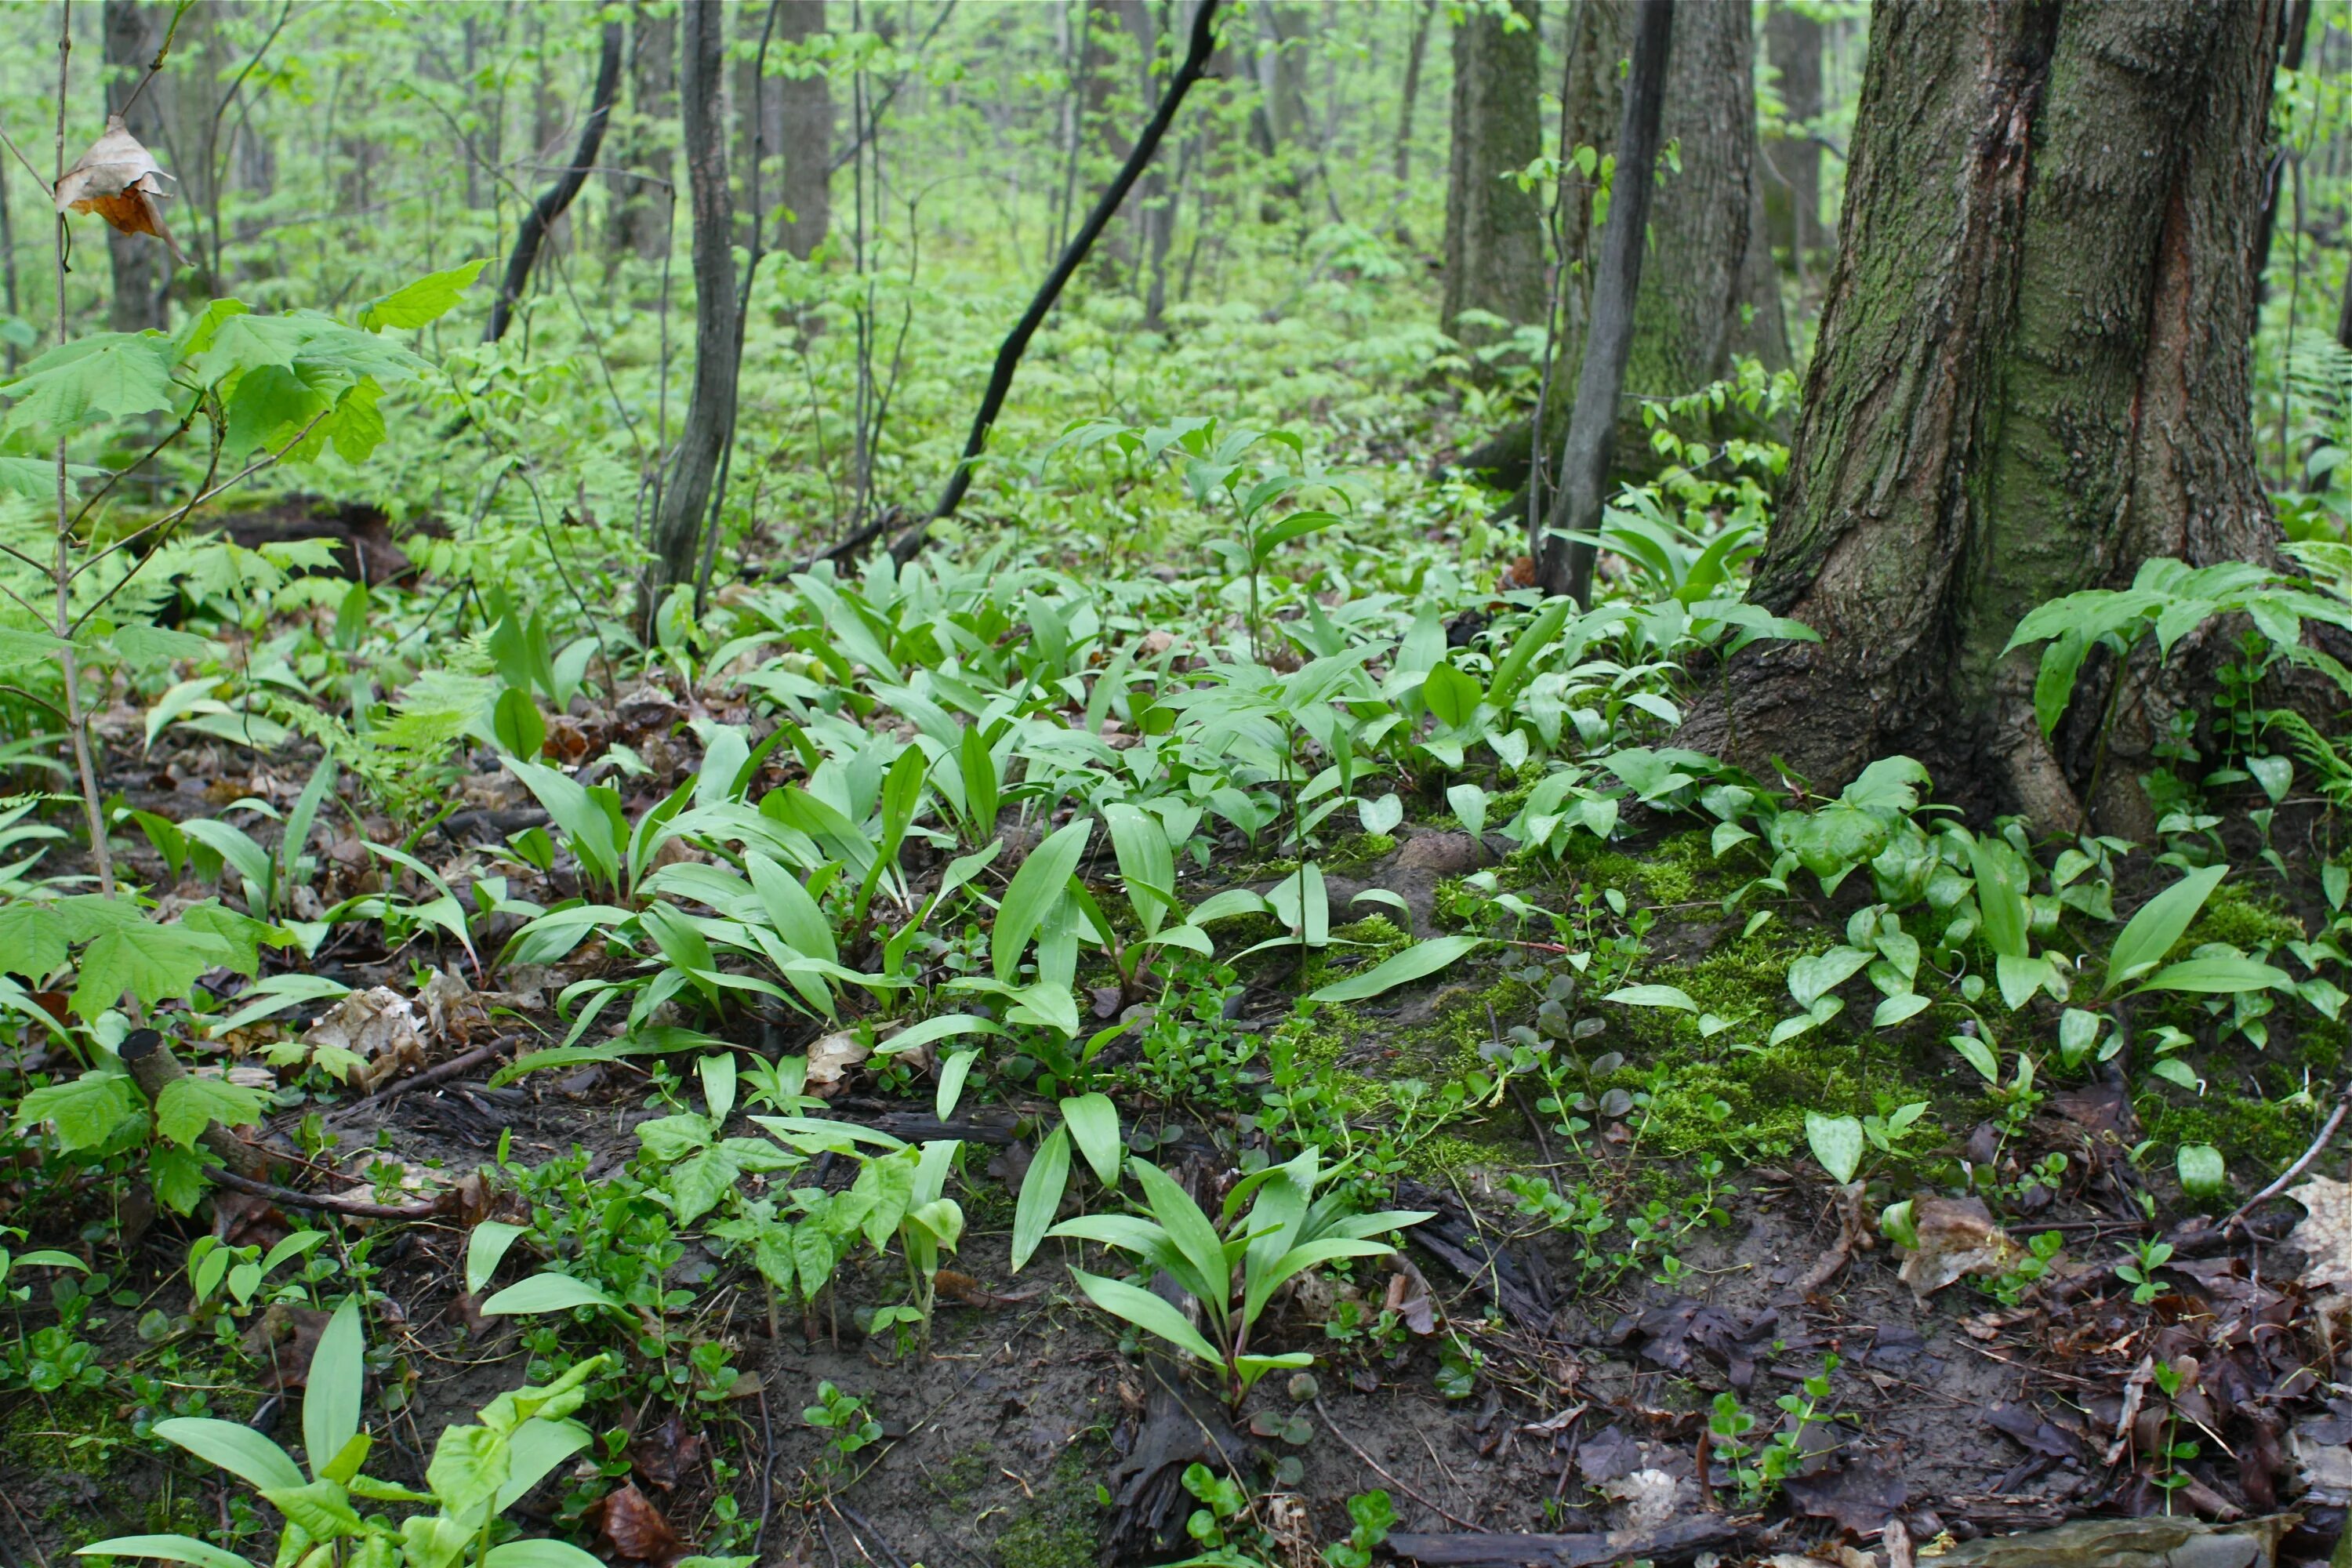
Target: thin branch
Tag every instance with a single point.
(2286, 1177)
(4, 142)
(162, 52)
(873, 121)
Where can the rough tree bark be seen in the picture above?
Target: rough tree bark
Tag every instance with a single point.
(1792, 202)
(710, 412)
(2033, 375)
(1494, 230)
(553, 201)
(806, 100)
(142, 271)
(640, 210)
(1710, 290)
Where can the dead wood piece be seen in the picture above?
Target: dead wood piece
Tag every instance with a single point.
(447, 1203)
(1454, 1237)
(1677, 1541)
(148, 1055)
(1825, 1268)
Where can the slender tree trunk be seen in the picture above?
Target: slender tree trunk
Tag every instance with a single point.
(2033, 375)
(640, 220)
(143, 273)
(1494, 230)
(1415, 52)
(553, 201)
(2296, 27)
(10, 299)
(1564, 566)
(1793, 202)
(710, 412)
(805, 98)
(1710, 290)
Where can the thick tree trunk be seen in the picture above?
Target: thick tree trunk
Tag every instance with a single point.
(710, 413)
(1494, 230)
(805, 98)
(2031, 376)
(1792, 202)
(1710, 290)
(142, 271)
(643, 138)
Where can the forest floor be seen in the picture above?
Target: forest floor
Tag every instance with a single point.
(1503, 1375)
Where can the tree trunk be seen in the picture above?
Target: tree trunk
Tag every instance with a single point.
(640, 220)
(1415, 52)
(2033, 375)
(1494, 230)
(1564, 566)
(2296, 27)
(553, 201)
(1710, 290)
(1792, 202)
(807, 102)
(710, 412)
(143, 273)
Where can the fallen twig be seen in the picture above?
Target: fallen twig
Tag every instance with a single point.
(2286, 1177)
(1374, 1465)
(1826, 1267)
(1682, 1537)
(329, 1202)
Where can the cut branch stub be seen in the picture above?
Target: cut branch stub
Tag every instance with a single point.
(119, 181)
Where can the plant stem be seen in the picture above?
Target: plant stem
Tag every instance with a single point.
(77, 728)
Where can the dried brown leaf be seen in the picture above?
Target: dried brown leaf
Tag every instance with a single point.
(635, 1529)
(2325, 1235)
(119, 180)
(1955, 1237)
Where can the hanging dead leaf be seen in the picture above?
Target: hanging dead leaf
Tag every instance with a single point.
(2324, 1237)
(1955, 1238)
(119, 181)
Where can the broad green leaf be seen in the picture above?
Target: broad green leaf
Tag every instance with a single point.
(89, 381)
(952, 1074)
(1815, 975)
(331, 1393)
(2201, 1170)
(1452, 697)
(546, 1293)
(2217, 977)
(2001, 877)
(1093, 1121)
(237, 1448)
(321, 1509)
(1035, 889)
(486, 1248)
(86, 1110)
(1652, 996)
(191, 1103)
(167, 1548)
(1148, 1312)
(154, 964)
(426, 299)
(1836, 1142)
(1047, 1178)
(1418, 962)
(2157, 925)
(540, 1555)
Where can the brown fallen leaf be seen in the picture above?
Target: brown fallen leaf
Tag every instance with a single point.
(1955, 1237)
(2324, 1235)
(667, 1454)
(970, 1292)
(367, 1038)
(831, 1060)
(452, 1011)
(119, 181)
(635, 1529)
(284, 1338)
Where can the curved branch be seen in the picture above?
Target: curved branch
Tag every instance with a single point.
(1008, 358)
(558, 195)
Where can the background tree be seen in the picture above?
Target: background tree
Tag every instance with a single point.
(804, 99)
(1710, 290)
(641, 140)
(718, 347)
(142, 269)
(1792, 190)
(2048, 389)
(1494, 229)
